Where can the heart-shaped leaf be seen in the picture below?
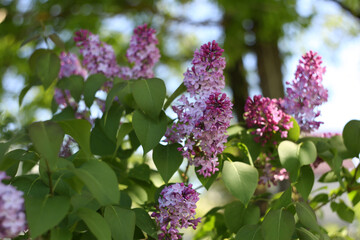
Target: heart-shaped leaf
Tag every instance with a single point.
(96, 223)
(121, 222)
(38, 209)
(247, 232)
(240, 179)
(101, 181)
(278, 225)
(307, 216)
(167, 160)
(148, 131)
(149, 95)
(47, 138)
(92, 84)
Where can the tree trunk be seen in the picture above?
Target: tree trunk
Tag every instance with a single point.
(269, 68)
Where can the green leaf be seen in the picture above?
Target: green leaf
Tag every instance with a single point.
(37, 213)
(47, 138)
(67, 113)
(46, 65)
(240, 179)
(351, 135)
(96, 223)
(167, 160)
(92, 84)
(180, 90)
(249, 232)
(121, 222)
(305, 181)
(278, 225)
(100, 143)
(115, 91)
(145, 223)
(207, 181)
(101, 181)
(79, 129)
(140, 172)
(294, 132)
(234, 216)
(288, 154)
(304, 234)
(307, 216)
(283, 201)
(307, 153)
(73, 83)
(57, 40)
(149, 131)
(149, 95)
(251, 215)
(23, 92)
(60, 234)
(345, 212)
(293, 156)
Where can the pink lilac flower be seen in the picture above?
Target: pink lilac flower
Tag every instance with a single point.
(202, 126)
(177, 209)
(142, 52)
(266, 116)
(206, 74)
(98, 57)
(306, 92)
(12, 215)
(268, 173)
(70, 65)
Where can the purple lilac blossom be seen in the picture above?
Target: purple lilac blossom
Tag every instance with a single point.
(203, 118)
(202, 126)
(206, 74)
(142, 52)
(268, 173)
(70, 65)
(177, 205)
(12, 215)
(306, 92)
(267, 117)
(98, 57)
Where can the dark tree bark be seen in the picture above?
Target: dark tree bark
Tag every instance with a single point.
(239, 86)
(269, 68)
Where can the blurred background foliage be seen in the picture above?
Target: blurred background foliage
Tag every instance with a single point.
(255, 27)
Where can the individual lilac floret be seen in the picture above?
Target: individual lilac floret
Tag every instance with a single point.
(206, 74)
(12, 215)
(202, 125)
(306, 92)
(267, 117)
(98, 57)
(70, 65)
(143, 52)
(177, 204)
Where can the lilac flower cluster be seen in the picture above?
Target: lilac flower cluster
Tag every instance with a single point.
(267, 117)
(269, 173)
(306, 92)
(70, 65)
(206, 75)
(98, 57)
(12, 215)
(142, 52)
(203, 120)
(177, 204)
